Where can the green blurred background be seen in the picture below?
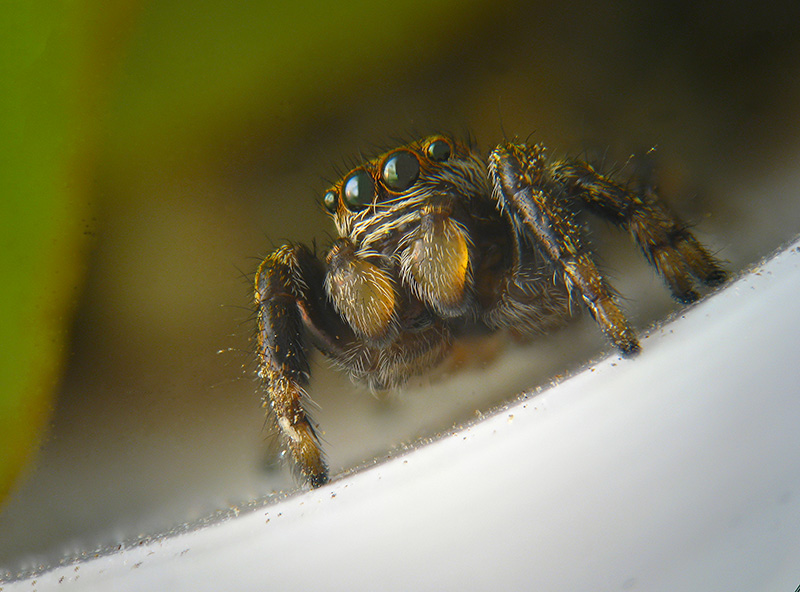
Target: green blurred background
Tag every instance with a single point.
(152, 151)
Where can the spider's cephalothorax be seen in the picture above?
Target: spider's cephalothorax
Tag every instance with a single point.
(433, 241)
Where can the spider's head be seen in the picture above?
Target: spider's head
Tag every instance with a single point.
(382, 199)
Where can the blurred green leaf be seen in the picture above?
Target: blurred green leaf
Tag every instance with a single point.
(40, 216)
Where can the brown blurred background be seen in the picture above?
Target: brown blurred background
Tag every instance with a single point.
(218, 129)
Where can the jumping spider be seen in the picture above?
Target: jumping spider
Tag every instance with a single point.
(435, 241)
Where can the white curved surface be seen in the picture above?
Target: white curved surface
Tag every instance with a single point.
(679, 470)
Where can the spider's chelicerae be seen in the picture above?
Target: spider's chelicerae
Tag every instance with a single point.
(435, 241)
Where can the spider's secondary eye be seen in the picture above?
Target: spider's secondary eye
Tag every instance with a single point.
(438, 150)
(358, 190)
(329, 201)
(400, 170)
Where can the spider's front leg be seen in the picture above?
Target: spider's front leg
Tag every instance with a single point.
(532, 204)
(345, 307)
(291, 305)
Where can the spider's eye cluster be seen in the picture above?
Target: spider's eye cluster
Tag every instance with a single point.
(358, 190)
(400, 170)
(398, 173)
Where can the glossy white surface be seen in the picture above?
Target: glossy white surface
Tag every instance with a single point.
(679, 470)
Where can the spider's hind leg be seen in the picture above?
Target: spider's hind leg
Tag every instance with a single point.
(666, 242)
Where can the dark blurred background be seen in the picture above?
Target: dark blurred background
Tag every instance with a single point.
(218, 125)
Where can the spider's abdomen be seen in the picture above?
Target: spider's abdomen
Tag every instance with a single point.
(391, 365)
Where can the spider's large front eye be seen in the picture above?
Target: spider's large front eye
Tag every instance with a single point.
(438, 150)
(400, 170)
(329, 201)
(358, 190)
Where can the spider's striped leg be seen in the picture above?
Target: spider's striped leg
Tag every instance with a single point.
(291, 306)
(665, 241)
(517, 173)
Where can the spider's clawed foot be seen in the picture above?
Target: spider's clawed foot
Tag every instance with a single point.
(682, 262)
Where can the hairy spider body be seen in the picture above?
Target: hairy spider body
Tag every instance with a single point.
(434, 241)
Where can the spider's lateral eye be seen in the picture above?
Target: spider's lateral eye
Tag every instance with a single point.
(329, 200)
(358, 190)
(400, 170)
(438, 150)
